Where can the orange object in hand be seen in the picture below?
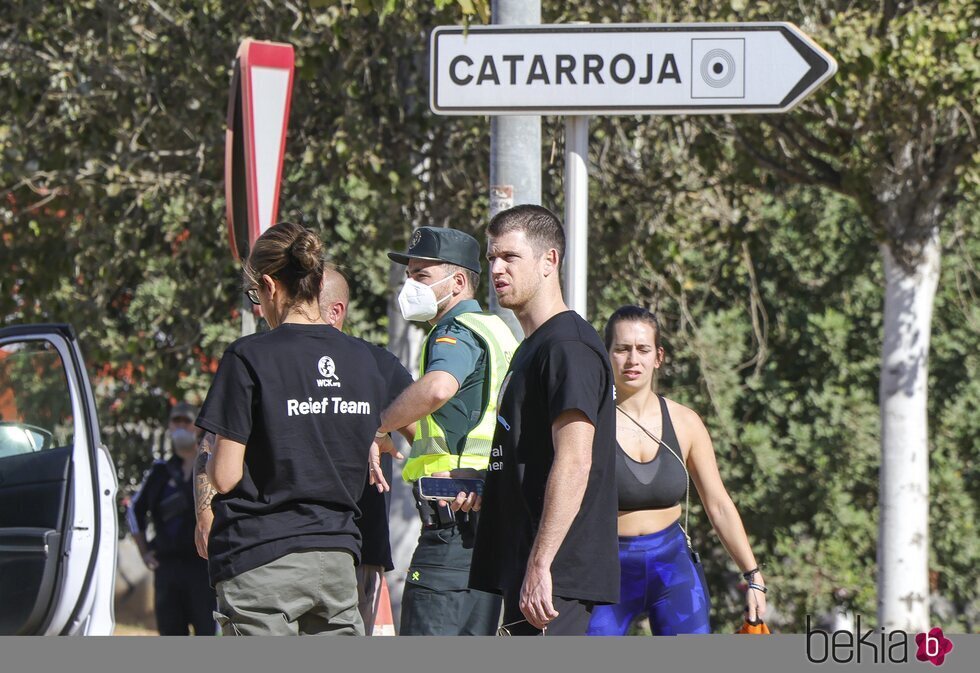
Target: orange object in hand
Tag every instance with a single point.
(758, 628)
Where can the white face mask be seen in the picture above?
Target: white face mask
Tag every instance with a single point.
(418, 302)
(182, 440)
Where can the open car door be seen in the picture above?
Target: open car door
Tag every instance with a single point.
(58, 526)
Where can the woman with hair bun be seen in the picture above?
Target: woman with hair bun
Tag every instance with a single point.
(295, 410)
(661, 447)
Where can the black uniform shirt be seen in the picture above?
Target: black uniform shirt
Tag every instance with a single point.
(166, 499)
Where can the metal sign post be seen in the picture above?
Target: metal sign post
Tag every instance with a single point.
(515, 150)
(577, 212)
(582, 70)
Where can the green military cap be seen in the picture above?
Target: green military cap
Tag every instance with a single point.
(439, 244)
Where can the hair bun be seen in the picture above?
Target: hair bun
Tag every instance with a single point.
(292, 255)
(306, 252)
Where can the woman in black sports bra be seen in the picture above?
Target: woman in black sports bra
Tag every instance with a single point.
(658, 443)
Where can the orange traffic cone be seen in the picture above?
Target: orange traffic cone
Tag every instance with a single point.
(384, 623)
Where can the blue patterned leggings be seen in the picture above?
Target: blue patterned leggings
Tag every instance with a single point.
(658, 578)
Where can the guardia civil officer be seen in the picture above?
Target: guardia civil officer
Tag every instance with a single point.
(461, 368)
(294, 411)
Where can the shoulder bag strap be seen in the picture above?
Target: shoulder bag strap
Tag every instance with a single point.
(677, 455)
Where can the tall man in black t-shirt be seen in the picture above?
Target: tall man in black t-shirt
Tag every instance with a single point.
(547, 539)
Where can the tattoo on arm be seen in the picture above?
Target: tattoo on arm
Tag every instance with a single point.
(203, 490)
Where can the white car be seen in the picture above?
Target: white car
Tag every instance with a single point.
(58, 526)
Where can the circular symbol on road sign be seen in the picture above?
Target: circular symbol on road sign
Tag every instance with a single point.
(718, 68)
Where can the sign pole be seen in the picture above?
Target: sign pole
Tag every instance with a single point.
(515, 149)
(248, 317)
(577, 213)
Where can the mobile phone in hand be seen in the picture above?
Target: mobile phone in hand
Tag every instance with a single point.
(440, 488)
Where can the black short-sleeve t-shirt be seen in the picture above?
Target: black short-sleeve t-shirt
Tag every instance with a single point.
(305, 400)
(562, 366)
(373, 522)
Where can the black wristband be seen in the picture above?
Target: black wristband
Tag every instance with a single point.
(748, 575)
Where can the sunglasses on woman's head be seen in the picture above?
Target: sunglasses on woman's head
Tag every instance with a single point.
(253, 295)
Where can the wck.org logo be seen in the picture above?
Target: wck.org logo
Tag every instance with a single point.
(874, 645)
(328, 371)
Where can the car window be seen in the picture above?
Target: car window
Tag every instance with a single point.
(35, 402)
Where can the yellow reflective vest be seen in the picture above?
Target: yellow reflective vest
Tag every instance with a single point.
(430, 450)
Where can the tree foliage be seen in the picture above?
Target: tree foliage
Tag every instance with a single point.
(113, 213)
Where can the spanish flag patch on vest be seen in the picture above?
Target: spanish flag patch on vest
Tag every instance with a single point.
(445, 340)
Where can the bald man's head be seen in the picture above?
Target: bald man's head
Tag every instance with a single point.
(334, 298)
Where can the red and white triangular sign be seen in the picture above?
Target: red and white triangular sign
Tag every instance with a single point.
(267, 85)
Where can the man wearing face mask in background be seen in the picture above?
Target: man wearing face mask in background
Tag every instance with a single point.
(462, 365)
(183, 595)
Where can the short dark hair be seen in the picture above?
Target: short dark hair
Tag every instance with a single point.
(541, 226)
(632, 314)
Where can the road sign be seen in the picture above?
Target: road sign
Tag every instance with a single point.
(623, 69)
(255, 143)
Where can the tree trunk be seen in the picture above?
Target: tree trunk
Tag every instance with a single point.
(903, 541)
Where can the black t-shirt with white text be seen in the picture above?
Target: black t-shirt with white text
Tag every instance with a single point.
(305, 400)
(562, 366)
